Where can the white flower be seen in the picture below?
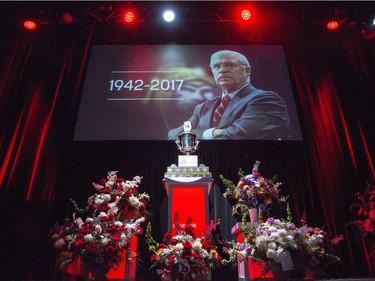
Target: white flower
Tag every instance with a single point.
(105, 241)
(274, 236)
(79, 221)
(118, 223)
(272, 229)
(204, 254)
(99, 200)
(113, 211)
(289, 237)
(89, 238)
(282, 232)
(179, 246)
(271, 254)
(102, 214)
(89, 220)
(197, 245)
(59, 243)
(134, 201)
(272, 246)
(98, 228)
(261, 242)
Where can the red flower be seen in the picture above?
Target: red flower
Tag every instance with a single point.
(105, 218)
(171, 259)
(127, 193)
(142, 208)
(86, 229)
(92, 208)
(196, 255)
(134, 190)
(206, 245)
(106, 190)
(174, 241)
(103, 207)
(161, 246)
(112, 228)
(153, 257)
(109, 250)
(78, 243)
(115, 236)
(92, 247)
(167, 236)
(187, 246)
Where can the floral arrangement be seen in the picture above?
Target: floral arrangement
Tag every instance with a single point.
(252, 191)
(98, 242)
(183, 256)
(277, 240)
(364, 209)
(364, 222)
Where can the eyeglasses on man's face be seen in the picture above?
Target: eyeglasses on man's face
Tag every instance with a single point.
(226, 65)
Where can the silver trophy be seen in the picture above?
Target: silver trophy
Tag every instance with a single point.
(187, 142)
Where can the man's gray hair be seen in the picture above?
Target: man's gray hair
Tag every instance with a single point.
(240, 56)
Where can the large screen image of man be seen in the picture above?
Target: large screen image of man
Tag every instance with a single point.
(147, 92)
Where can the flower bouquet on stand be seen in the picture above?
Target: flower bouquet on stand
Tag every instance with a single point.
(252, 194)
(316, 250)
(184, 257)
(364, 222)
(284, 248)
(97, 243)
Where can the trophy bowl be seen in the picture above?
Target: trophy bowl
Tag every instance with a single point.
(187, 143)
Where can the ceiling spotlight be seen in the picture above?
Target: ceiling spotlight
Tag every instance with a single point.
(245, 15)
(66, 18)
(29, 24)
(168, 16)
(332, 25)
(129, 16)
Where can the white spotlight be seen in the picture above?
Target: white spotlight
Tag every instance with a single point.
(168, 16)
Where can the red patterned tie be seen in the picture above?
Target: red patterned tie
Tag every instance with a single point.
(220, 110)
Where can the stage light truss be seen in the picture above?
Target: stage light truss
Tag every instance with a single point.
(359, 16)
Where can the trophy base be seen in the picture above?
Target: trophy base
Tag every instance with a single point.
(188, 160)
(175, 172)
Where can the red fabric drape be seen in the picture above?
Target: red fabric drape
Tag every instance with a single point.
(41, 78)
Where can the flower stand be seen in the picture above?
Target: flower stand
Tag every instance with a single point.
(126, 270)
(188, 196)
(249, 270)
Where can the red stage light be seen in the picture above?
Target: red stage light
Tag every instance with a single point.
(129, 17)
(66, 18)
(29, 25)
(332, 25)
(245, 14)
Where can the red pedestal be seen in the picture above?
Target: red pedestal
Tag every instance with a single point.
(188, 196)
(127, 268)
(249, 270)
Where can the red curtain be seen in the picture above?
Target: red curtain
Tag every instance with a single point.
(41, 167)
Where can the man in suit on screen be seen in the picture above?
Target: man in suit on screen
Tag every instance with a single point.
(241, 111)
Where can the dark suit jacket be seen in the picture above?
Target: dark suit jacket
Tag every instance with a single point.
(252, 114)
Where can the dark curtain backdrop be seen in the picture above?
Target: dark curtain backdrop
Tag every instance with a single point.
(41, 167)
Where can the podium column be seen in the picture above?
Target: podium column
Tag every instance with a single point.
(188, 196)
(249, 270)
(188, 186)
